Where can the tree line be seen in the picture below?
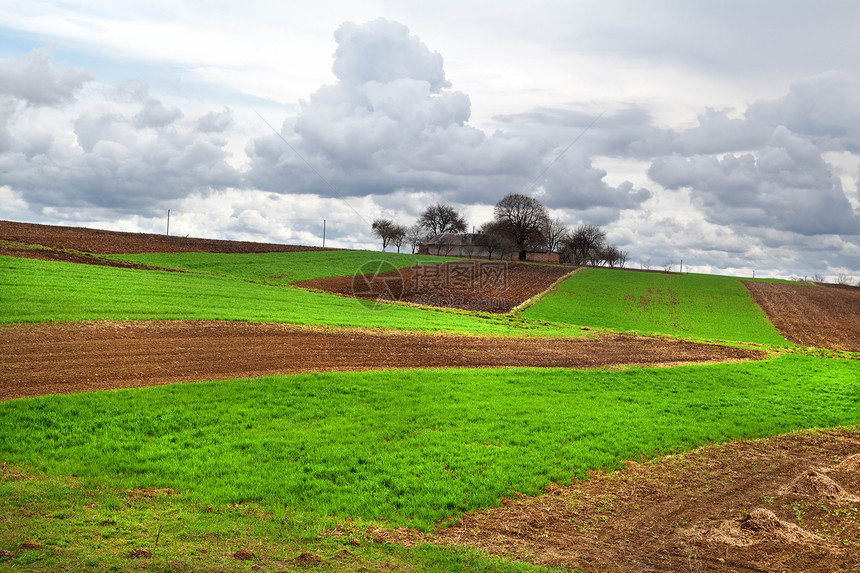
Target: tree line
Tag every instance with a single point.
(520, 224)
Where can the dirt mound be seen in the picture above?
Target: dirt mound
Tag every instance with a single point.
(59, 359)
(306, 559)
(812, 315)
(489, 286)
(817, 485)
(759, 526)
(114, 242)
(244, 555)
(850, 464)
(140, 553)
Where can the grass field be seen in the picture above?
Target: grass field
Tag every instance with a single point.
(256, 288)
(687, 305)
(40, 291)
(280, 268)
(411, 448)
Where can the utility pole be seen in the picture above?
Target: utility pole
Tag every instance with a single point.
(168, 222)
(323, 233)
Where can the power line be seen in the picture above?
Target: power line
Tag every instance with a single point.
(306, 162)
(565, 150)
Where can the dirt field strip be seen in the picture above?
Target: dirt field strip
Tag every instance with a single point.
(812, 315)
(102, 242)
(728, 507)
(67, 358)
(487, 286)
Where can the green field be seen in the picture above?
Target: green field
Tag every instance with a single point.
(257, 288)
(686, 305)
(40, 291)
(289, 458)
(280, 268)
(411, 448)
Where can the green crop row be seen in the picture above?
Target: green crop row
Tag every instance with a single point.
(414, 447)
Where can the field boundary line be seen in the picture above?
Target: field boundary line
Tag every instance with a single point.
(517, 310)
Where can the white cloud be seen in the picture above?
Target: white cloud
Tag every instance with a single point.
(35, 80)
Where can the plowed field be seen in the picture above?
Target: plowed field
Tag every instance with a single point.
(728, 508)
(57, 359)
(489, 286)
(102, 242)
(822, 316)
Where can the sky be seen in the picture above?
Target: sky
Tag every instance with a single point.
(724, 135)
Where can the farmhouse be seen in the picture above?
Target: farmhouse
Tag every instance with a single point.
(479, 246)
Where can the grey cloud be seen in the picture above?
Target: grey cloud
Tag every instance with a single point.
(575, 185)
(121, 162)
(731, 38)
(92, 127)
(34, 79)
(824, 107)
(7, 110)
(786, 186)
(154, 114)
(215, 122)
(624, 132)
(384, 51)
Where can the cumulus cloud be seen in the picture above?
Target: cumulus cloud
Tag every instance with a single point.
(34, 79)
(127, 154)
(383, 51)
(215, 121)
(155, 114)
(785, 185)
(777, 178)
(823, 107)
(391, 125)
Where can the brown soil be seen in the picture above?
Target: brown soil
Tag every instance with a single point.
(728, 507)
(490, 286)
(244, 555)
(66, 358)
(102, 242)
(51, 254)
(822, 316)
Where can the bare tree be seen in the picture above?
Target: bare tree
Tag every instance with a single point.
(668, 266)
(843, 279)
(554, 234)
(585, 244)
(498, 238)
(441, 218)
(398, 235)
(524, 220)
(416, 235)
(385, 230)
(611, 255)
